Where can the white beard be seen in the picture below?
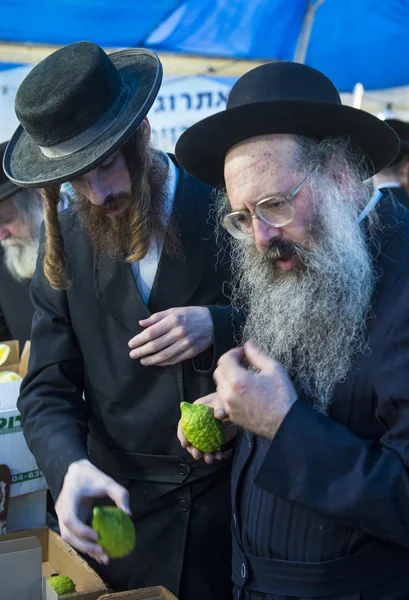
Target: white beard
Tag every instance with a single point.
(21, 257)
(312, 319)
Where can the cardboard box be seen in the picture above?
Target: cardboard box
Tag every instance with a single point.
(59, 557)
(27, 512)
(15, 362)
(151, 593)
(20, 569)
(28, 499)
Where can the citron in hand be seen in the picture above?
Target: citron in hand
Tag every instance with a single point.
(115, 529)
(6, 376)
(4, 353)
(201, 428)
(62, 585)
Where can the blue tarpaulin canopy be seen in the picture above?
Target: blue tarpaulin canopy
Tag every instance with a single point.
(349, 40)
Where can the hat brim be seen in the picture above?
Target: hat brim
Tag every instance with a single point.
(27, 166)
(7, 189)
(403, 152)
(202, 148)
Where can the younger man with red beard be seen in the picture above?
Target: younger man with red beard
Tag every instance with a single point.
(129, 314)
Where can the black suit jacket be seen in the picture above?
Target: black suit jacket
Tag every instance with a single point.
(16, 309)
(328, 487)
(126, 423)
(80, 344)
(401, 194)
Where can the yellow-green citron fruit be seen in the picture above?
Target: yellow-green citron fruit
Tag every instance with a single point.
(62, 585)
(4, 353)
(201, 427)
(115, 529)
(6, 376)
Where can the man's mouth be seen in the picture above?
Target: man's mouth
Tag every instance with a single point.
(116, 207)
(286, 258)
(114, 212)
(287, 261)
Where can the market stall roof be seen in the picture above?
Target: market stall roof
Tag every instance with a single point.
(349, 40)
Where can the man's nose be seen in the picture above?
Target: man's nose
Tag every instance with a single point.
(98, 194)
(4, 233)
(264, 233)
(97, 190)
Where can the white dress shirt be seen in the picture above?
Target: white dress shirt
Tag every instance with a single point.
(144, 270)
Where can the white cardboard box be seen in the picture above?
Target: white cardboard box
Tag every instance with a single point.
(20, 569)
(28, 497)
(27, 512)
(57, 557)
(14, 452)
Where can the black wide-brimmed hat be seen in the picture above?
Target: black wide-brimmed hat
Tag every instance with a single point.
(282, 97)
(7, 187)
(76, 108)
(402, 130)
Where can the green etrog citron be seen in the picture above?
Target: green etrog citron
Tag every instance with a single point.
(115, 529)
(62, 585)
(201, 428)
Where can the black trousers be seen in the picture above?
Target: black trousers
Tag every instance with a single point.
(183, 541)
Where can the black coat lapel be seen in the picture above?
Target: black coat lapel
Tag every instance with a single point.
(116, 290)
(178, 278)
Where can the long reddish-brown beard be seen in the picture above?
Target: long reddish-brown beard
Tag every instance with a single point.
(144, 216)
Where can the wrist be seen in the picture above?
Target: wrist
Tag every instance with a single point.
(210, 323)
(280, 417)
(78, 463)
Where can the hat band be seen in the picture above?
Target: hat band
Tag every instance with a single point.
(88, 136)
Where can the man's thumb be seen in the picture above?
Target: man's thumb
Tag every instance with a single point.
(256, 357)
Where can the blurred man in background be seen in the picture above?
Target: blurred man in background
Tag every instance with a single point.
(396, 175)
(21, 215)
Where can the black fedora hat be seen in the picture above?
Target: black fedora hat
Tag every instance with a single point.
(7, 187)
(282, 97)
(77, 107)
(401, 128)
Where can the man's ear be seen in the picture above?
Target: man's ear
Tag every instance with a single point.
(404, 173)
(37, 193)
(147, 124)
(339, 171)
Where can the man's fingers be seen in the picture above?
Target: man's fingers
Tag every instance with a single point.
(182, 438)
(257, 358)
(220, 414)
(208, 458)
(154, 346)
(120, 496)
(102, 559)
(85, 546)
(151, 333)
(176, 358)
(155, 318)
(197, 455)
(171, 355)
(78, 529)
(230, 364)
(232, 357)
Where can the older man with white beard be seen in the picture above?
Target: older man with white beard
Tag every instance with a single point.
(320, 388)
(21, 215)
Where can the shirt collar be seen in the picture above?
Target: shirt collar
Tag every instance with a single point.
(388, 184)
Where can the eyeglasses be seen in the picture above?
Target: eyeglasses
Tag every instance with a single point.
(277, 211)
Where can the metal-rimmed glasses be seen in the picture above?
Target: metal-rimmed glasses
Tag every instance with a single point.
(277, 211)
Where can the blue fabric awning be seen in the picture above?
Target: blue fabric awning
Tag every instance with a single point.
(351, 40)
